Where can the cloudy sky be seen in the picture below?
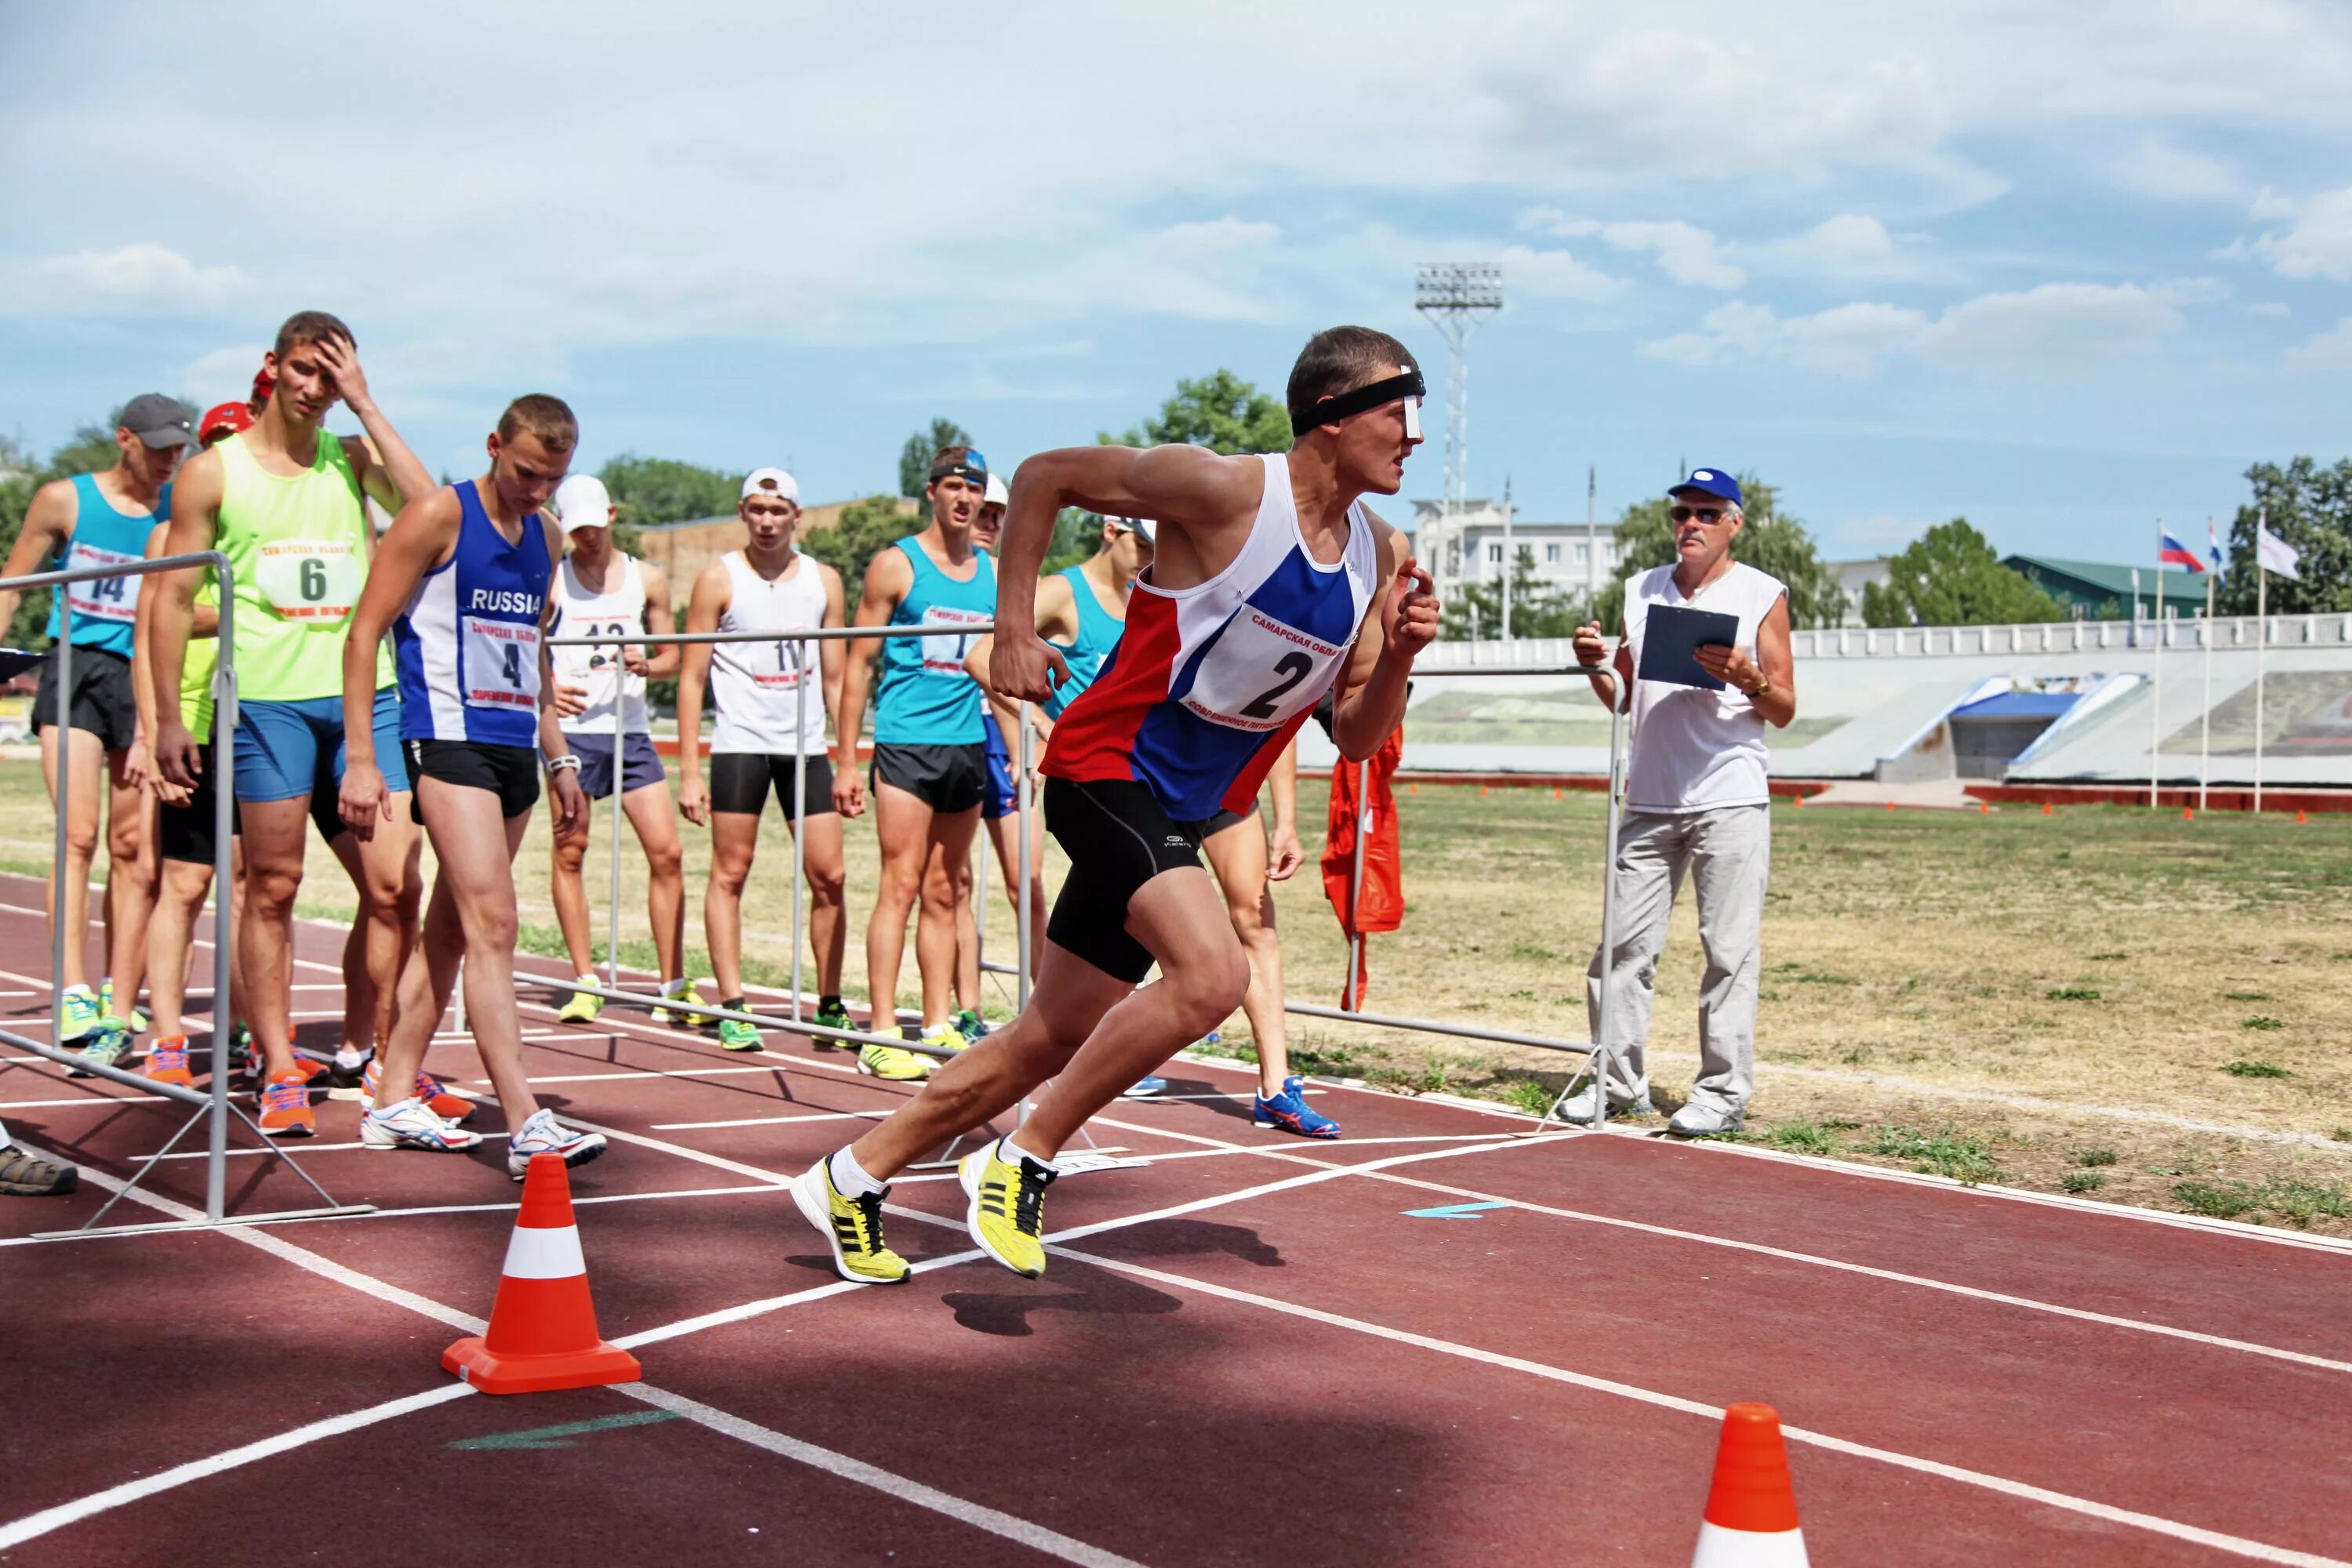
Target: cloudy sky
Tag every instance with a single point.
(2062, 268)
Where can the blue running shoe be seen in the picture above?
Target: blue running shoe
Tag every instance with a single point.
(1290, 1112)
(1145, 1088)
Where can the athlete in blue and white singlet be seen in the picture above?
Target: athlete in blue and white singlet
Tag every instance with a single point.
(467, 646)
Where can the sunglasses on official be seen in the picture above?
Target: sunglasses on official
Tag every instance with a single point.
(1707, 514)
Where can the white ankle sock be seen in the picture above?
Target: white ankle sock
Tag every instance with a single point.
(849, 1178)
(1012, 1154)
(674, 987)
(348, 1058)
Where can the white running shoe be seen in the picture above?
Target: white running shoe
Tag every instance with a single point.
(409, 1125)
(540, 1134)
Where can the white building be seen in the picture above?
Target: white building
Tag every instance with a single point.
(1570, 556)
(1853, 576)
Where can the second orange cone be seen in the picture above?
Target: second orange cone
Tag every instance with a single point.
(1751, 1509)
(542, 1331)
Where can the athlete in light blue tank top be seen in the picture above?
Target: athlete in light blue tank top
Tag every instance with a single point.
(104, 610)
(927, 696)
(467, 645)
(1098, 633)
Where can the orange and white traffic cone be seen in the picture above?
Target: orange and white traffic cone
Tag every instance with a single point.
(1751, 1509)
(543, 1324)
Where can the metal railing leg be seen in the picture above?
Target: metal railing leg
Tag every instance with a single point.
(60, 873)
(612, 927)
(225, 934)
(799, 824)
(1349, 989)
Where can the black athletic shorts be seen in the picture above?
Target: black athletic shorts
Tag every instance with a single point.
(739, 782)
(185, 832)
(511, 773)
(945, 778)
(1118, 838)
(101, 702)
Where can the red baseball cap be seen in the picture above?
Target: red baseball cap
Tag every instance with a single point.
(228, 418)
(263, 384)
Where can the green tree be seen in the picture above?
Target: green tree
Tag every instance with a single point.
(915, 457)
(1767, 541)
(1219, 411)
(1538, 608)
(2310, 507)
(654, 490)
(1952, 576)
(867, 528)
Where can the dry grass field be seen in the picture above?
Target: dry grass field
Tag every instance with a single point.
(2107, 1002)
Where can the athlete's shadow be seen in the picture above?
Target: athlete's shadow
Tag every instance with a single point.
(1102, 1293)
(1194, 1237)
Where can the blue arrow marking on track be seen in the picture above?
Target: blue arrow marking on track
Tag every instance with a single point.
(1453, 1211)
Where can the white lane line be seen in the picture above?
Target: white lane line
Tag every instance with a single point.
(650, 1072)
(578, 1201)
(1037, 1537)
(2260, 1552)
(772, 1120)
(1838, 1265)
(16, 1532)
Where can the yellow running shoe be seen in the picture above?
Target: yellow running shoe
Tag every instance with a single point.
(890, 1062)
(946, 1038)
(585, 1007)
(852, 1226)
(1008, 1206)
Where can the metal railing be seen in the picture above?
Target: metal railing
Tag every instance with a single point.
(214, 1107)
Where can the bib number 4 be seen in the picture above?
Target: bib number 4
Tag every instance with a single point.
(501, 664)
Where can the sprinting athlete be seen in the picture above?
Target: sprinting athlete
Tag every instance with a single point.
(1270, 582)
(599, 591)
(767, 716)
(930, 766)
(467, 571)
(98, 520)
(285, 500)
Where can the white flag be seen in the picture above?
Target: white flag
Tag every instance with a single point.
(2276, 554)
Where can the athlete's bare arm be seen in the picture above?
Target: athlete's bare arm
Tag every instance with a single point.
(143, 686)
(705, 602)
(1401, 621)
(890, 578)
(194, 526)
(388, 471)
(48, 523)
(1283, 854)
(421, 537)
(661, 663)
(832, 659)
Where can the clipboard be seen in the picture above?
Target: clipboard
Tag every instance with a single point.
(1671, 639)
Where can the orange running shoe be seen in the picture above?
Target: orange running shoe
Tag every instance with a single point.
(437, 1100)
(286, 1108)
(167, 1062)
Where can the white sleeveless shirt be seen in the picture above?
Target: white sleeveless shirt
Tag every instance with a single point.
(1695, 750)
(757, 685)
(620, 608)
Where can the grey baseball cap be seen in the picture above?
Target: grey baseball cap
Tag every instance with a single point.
(158, 420)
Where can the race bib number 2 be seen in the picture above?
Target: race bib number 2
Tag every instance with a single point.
(501, 663)
(1262, 674)
(310, 579)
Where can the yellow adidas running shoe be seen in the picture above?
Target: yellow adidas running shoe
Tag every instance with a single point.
(890, 1062)
(851, 1228)
(1008, 1206)
(585, 1007)
(946, 1038)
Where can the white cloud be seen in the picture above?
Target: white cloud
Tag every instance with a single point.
(2153, 165)
(1553, 275)
(2317, 243)
(2268, 308)
(2332, 347)
(221, 376)
(1685, 253)
(2058, 329)
(129, 281)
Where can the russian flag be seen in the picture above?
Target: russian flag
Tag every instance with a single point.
(2172, 553)
(2213, 545)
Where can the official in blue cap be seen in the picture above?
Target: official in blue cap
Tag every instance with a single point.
(1697, 799)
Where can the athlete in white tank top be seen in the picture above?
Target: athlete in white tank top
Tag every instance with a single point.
(757, 684)
(618, 606)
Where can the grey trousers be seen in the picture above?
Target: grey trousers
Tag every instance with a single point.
(1727, 855)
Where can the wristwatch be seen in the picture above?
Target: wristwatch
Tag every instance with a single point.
(1764, 684)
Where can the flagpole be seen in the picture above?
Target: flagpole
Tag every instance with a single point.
(2262, 639)
(2205, 713)
(2155, 706)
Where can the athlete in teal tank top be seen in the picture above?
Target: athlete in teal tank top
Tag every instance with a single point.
(1086, 654)
(927, 697)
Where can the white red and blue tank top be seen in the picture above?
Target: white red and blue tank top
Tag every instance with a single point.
(467, 645)
(1208, 683)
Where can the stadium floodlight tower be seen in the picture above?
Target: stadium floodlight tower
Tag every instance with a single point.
(1456, 296)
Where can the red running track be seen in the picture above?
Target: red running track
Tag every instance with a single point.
(1248, 1349)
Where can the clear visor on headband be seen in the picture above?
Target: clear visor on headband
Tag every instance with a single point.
(1412, 418)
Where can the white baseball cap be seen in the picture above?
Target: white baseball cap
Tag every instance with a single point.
(1142, 525)
(583, 501)
(997, 494)
(770, 482)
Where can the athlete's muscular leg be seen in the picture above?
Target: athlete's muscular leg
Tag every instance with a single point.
(967, 929)
(571, 895)
(168, 933)
(902, 823)
(131, 873)
(946, 887)
(1006, 832)
(86, 762)
(1180, 918)
(392, 885)
(828, 923)
(472, 913)
(734, 836)
(1238, 856)
(651, 812)
(274, 831)
(1070, 999)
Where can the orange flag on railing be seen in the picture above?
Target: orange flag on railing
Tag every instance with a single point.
(1380, 905)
